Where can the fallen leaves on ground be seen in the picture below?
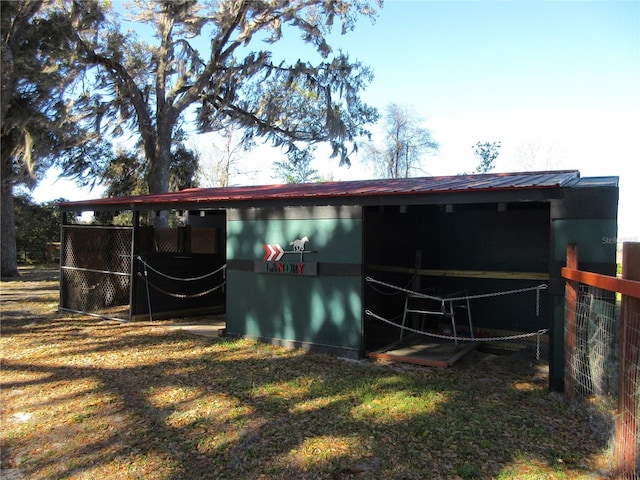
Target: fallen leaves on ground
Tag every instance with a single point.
(85, 398)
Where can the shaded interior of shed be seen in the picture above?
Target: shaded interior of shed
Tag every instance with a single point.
(461, 249)
(191, 253)
(135, 271)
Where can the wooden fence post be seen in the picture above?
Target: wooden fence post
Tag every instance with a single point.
(626, 420)
(571, 302)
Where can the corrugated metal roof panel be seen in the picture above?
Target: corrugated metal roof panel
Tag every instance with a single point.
(360, 188)
(596, 182)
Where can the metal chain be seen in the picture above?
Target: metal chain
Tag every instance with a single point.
(453, 299)
(469, 297)
(504, 292)
(465, 339)
(180, 295)
(398, 291)
(180, 279)
(401, 289)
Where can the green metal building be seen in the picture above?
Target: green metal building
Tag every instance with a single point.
(298, 257)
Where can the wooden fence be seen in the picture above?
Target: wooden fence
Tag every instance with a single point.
(627, 289)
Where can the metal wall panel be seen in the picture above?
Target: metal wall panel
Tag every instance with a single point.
(321, 312)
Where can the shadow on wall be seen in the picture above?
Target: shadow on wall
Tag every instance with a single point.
(324, 310)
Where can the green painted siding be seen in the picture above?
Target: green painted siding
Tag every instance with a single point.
(337, 240)
(316, 310)
(595, 249)
(592, 236)
(324, 310)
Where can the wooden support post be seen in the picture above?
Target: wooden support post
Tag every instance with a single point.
(570, 306)
(625, 455)
(415, 286)
(417, 265)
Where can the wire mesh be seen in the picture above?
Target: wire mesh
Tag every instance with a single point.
(604, 369)
(628, 412)
(167, 240)
(96, 270)
(595, 363)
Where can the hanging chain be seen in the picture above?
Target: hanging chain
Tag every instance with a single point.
(467, 297)
(181, 295)
(538, 334)
(449, 337)
(180, 279)
(144, 277)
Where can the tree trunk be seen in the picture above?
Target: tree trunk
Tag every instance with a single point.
(9, 261)
(159, 174)
(7, 80)
(9, 254)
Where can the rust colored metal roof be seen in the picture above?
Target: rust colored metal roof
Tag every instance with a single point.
(359, 188)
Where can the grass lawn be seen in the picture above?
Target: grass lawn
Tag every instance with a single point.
(86, 398)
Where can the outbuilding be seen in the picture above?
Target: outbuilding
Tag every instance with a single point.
(317, 265)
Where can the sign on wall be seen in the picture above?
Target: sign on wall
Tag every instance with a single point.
(274, 252)
(271, 263)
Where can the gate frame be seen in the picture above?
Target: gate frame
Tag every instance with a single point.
(63, 289)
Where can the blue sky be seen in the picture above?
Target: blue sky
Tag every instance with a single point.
(558, 83)
(486, 56)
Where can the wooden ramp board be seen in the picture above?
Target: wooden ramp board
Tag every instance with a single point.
(430, 352)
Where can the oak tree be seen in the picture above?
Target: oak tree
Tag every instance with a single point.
(40, 127)
(150, 87)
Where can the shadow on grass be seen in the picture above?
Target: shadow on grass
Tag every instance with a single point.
(35, 273)
(306, 416)
(86, 398)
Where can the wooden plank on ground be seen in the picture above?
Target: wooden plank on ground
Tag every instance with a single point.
(432, 354)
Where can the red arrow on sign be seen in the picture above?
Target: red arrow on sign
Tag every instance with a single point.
(274, 252)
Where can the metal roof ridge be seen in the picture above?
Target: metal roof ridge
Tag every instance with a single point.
(363, 188)
(380, 180)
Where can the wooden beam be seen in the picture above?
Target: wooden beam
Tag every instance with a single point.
(463, 273)
(424, 358)
(429, 362)
(606, 282)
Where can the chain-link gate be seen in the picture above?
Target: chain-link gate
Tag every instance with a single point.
(95, 270)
